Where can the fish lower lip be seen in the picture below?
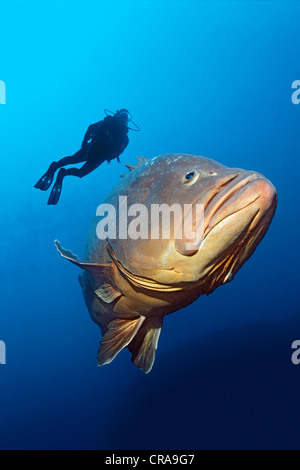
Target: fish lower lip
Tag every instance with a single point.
(208, 230)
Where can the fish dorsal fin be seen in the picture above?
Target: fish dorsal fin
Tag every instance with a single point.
(141, 160)
(144, 345)
(119, 334)
(103, 273)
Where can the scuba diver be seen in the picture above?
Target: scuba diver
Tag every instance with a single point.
(105, 140)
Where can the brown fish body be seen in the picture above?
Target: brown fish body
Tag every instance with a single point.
(129, 285)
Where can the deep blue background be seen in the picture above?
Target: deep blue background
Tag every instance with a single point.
(210, 78)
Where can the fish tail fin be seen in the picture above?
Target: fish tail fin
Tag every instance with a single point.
(119, 334)
(144, 345)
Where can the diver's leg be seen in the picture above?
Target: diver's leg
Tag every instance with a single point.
(46, 180)
(78, 157)
(87, 168)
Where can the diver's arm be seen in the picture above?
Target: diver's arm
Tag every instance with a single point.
(87, 136)
(122, 148)
(93, 130)
(124, 144)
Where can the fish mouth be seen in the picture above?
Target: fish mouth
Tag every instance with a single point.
(237, 215)
(237, 202)
(236, 195)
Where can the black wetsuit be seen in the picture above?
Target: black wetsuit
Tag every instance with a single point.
(103, 141)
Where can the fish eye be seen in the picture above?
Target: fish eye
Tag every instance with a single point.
(190, 177)
(212, 173)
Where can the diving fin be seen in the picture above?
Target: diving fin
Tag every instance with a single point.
(119, 334)
(46, 180)
(55, 194)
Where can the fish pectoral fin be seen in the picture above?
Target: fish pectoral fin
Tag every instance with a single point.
(144, 345)
(119, 334)
(107, 293)
(101, 271)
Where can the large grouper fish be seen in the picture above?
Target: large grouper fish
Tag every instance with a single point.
(129, 283)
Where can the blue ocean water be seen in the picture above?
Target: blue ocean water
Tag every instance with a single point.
(201, 77)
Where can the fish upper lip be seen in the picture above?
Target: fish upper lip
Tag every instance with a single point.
(223, 195)
(214, 198)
